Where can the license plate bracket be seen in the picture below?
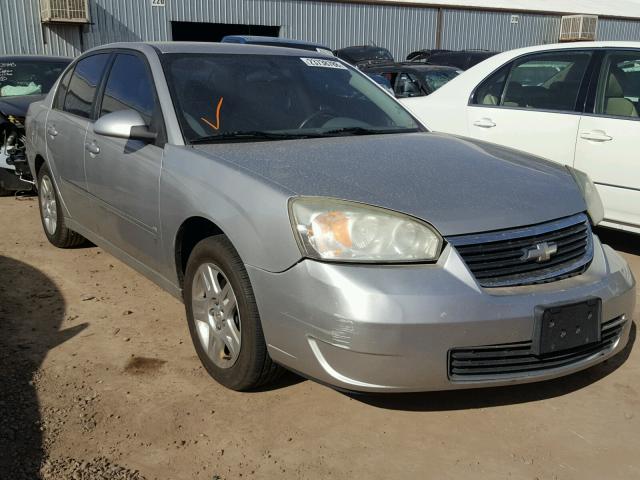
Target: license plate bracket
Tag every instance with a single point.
(566, 326)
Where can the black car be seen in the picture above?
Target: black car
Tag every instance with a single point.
(409, 79)
(24, 79)
(462, 59)
(364, 55)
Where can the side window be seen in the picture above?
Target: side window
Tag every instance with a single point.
(63, 86)
(547, 81)
(82, 87)
(490, 91)
(407, 86)
(618, 91)
(129, 87)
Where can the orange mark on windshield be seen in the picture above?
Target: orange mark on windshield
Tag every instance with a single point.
(215, 126)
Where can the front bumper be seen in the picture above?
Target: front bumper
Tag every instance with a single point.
(390, 328)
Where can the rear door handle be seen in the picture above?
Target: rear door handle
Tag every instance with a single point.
(485, 123)
(51, 131)
(92, 148)
(596, 136)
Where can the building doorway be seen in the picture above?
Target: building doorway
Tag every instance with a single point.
(213, 32)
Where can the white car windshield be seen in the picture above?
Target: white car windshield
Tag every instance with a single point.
(220, 96)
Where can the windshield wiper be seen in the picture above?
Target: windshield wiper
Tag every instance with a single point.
(366, 131)
(248, 135)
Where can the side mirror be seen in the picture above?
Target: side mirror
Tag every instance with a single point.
(124, 124)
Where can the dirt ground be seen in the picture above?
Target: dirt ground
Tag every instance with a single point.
(98, 379)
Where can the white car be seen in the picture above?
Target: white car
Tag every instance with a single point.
(575, 103)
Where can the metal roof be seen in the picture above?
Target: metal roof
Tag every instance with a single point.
(603, 8)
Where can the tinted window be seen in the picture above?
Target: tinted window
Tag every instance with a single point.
(548, 81)
(82, 87)
(129, 87)
(619, 85)
(437, 78)
(490, 91)
(407, 86)
(58, 102)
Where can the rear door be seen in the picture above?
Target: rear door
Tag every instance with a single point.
(66, 128)
(123, 175)
(533, 104)
(607, 147)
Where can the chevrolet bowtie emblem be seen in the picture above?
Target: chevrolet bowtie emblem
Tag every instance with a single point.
(540, 252)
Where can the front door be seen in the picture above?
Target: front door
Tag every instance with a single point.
(123, 175)
(607, 145)
(532, 104)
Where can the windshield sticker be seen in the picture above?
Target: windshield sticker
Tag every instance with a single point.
(321, 62)
(215, 126)
(6, 70)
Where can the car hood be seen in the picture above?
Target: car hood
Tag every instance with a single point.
(18, 105)
(459, 186)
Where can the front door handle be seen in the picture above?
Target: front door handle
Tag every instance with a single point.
(596, 136)
(51, 131)
(485, 123)
(92, 148)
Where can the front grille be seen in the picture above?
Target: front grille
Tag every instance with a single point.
(495, 361)
(524, 256)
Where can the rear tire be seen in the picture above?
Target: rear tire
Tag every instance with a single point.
(223, 317)
(53, 222)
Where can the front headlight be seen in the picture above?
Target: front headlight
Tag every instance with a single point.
(595, 209)
(343, 231)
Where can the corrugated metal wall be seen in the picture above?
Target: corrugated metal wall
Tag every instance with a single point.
(609, 29)
(495, 30)
(400, 28)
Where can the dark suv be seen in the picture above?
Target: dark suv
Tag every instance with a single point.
(462, 59)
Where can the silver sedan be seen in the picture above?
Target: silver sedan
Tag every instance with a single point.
(308, 221)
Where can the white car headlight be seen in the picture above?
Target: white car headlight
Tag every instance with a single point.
(595, 209)
(343, 231)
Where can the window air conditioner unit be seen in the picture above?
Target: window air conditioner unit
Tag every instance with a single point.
(64, 11)
(574, 28)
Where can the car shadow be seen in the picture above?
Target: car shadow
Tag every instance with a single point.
(497, 396)
(618, 240)
(31, 313)
(287, 379)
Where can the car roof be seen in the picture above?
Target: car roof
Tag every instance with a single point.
(268, 40)
(573, 45)
(209, 47)
(507, 56)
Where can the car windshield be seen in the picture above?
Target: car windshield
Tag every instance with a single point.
(437, 78)
(28, 77)
(224, 97)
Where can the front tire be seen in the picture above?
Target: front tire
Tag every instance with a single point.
(51, 215)
(223, 317)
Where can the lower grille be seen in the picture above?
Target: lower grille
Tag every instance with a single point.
(524, 256)
(495, 361)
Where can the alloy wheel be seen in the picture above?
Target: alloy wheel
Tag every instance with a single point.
(216, 315)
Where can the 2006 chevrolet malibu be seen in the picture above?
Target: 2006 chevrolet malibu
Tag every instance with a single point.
(308, 221)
